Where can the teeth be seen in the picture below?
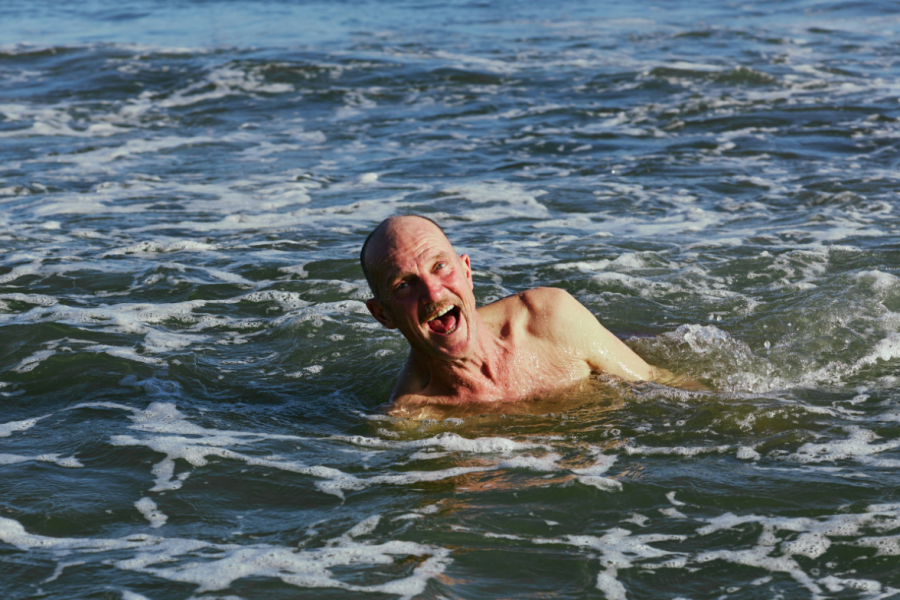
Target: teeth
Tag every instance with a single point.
(442, 312)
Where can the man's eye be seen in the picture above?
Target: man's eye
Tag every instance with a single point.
(440, 265)
(401, 285)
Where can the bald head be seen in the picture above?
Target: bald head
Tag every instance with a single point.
(382, 236)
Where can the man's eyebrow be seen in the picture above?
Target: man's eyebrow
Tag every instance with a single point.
(398, 274)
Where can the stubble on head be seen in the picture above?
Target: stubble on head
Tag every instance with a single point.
(413, 255)
(381, 238)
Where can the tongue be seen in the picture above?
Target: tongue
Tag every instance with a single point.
(443, 324)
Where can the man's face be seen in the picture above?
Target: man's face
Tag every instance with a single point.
(424, 289)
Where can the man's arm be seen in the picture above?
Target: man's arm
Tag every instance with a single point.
(559, 317)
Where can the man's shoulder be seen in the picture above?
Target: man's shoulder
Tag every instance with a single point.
(538, 311)
(542, 300)
(534, 302)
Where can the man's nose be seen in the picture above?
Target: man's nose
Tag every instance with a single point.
(432, 290)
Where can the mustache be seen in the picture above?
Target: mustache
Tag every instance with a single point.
(429, 310)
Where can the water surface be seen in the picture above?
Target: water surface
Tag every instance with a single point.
(189, 375)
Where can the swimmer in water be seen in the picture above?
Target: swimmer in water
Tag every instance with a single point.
(522, 347)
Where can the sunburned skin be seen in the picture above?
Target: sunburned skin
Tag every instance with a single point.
(531, 345)
(445, 320)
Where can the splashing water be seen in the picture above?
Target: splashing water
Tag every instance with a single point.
(189, 374)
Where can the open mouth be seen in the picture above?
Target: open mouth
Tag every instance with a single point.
(444, 322)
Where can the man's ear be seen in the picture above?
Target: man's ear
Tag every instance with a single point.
(467, 269)
(379, 313)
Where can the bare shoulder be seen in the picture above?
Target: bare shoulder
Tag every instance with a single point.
(547, 300)
(559, 319)
(540, 311)
(551, 311)
(538, 301)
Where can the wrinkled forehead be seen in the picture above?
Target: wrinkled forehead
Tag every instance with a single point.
(403, 240)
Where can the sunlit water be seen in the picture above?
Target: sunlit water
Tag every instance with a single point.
(189, 376)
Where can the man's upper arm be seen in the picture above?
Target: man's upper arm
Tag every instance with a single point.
(564, 320)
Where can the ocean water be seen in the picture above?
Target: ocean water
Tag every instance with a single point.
(189, 376)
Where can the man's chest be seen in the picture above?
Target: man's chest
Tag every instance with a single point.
(537, 370)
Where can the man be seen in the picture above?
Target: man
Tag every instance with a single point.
(519, 348)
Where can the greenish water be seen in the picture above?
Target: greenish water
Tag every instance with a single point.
(189, 376)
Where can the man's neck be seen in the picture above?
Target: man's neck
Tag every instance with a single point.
(483, 371)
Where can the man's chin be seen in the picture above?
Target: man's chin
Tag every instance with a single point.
(453, 344)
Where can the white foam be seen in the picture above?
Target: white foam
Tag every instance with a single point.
(21, 271)
(670, 496)
(408, 517)
(637, 519)
(8, 428)
(505, 199)
(102, 159)
(809, 537)
(52, 121)
(220, 565)
(156, 341)
(838, 584)
(857, 446)
(747, 453)
(125, 353)
(60, 568)
(172, 429)
(164, 418)
(628, 262)
(150, 249)
(812, 545)
(885, 350)
(880, 281)
(297, 270)
(225, 81)
(609, 585)
(151, 512)
(583, 266)
(469, 61)
(364, 527)
(548, 462)
(676, 450)
(242, 210)
(593, 475)
(323, 311)
(602, 483)
(36, 299)
(429, 510)
(759, 557)
(619, 549)
(886, 546)
(132, 318)
(815, 533)
(70, 462)
(287, 300)
(124, 317)
(310, 370)
(450, 441)
(703, 338)
(342, 482)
